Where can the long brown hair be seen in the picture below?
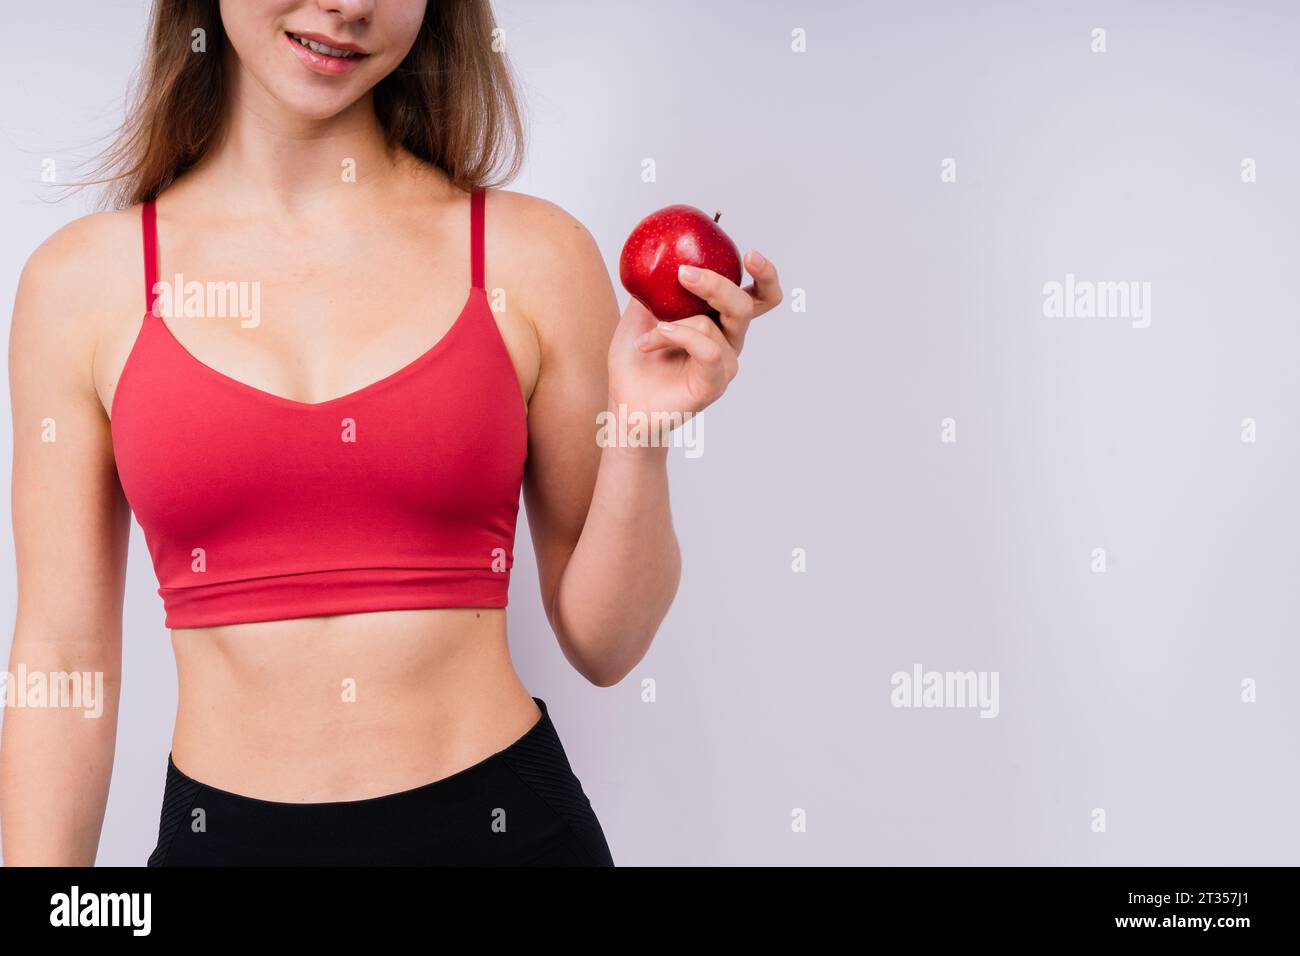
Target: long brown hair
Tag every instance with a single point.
(452, 102)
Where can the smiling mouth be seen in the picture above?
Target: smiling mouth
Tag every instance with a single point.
(323, 50)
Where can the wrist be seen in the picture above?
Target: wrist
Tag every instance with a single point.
(625, 431)
(636, 454)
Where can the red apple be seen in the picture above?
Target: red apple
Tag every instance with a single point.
(662, 241)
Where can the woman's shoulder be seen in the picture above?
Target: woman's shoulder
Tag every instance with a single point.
(82, 254)
(547, 256)
(81, 276)
(541, 224)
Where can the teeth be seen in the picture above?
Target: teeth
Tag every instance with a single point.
(322, 48)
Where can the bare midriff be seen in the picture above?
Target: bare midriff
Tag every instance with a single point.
(348, 707)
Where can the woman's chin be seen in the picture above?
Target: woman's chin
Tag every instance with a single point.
(313, 106)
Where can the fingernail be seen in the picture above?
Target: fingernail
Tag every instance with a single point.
(688, 273)
(756, 259)
(666, 328)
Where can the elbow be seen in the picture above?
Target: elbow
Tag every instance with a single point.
(604, 652)
(604, 673)
(605, 678)
(610, 666)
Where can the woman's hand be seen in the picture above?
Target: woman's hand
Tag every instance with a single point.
(680, 368)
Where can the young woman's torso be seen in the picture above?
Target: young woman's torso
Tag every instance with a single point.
(355, 705)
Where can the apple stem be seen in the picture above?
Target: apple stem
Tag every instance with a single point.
(717, 215)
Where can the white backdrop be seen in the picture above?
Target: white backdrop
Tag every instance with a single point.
(1119, 691)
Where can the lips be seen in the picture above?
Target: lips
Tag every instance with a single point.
(325, 55)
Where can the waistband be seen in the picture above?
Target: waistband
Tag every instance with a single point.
(464, 781)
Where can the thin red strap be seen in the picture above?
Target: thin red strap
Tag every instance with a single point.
(476, 236)
(149, 229)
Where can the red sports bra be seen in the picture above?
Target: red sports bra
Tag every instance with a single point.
(400, 495)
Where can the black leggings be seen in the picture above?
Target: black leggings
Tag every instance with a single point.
(520, 806)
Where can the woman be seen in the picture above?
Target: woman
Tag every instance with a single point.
(331, 521)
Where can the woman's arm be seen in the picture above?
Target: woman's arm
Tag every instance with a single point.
(71, 526)
(607, 554)
(607, 557)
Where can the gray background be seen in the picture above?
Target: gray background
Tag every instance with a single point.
(1118, 690)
